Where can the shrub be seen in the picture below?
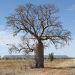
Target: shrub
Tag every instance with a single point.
(51, 56)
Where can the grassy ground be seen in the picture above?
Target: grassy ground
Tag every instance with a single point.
(24, 67)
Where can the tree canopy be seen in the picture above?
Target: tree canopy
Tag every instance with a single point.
(39, 23)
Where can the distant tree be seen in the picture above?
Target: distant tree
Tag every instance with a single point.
(51, 56)
(40, 24)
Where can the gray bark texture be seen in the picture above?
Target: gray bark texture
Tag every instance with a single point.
(39, 55)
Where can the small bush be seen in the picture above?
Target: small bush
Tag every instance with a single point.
(51, 56)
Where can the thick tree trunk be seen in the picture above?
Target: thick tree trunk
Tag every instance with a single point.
(39, 55)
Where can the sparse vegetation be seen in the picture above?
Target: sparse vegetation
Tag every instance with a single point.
(23, 67)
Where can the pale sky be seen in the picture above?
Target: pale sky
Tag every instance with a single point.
(66, 14)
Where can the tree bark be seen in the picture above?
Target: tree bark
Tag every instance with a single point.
(39, 55)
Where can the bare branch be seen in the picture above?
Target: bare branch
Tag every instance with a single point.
(40, 22)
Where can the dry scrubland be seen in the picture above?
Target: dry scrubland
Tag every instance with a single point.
(24, 67)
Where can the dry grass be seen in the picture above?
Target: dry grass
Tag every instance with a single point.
(24, 67)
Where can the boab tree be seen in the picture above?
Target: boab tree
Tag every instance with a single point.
(39, 23)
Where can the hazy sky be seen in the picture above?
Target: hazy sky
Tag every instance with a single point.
(66, 14)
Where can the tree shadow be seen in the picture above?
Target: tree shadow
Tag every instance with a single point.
(68, 67)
